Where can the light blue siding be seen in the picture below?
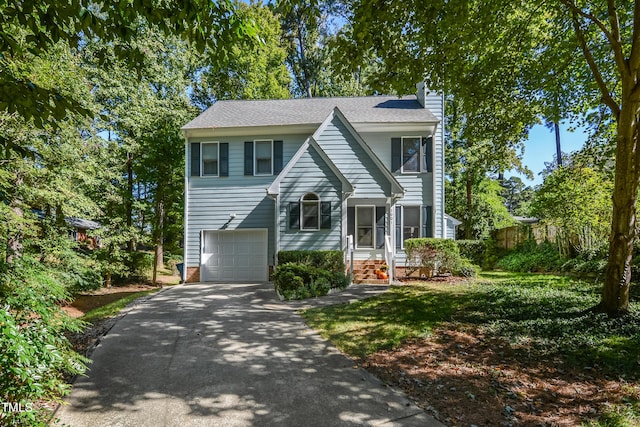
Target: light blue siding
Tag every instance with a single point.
(211, 200)
(311, 174)
(352, 160)
(435, 103)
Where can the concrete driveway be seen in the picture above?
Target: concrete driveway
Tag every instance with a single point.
(228, 355)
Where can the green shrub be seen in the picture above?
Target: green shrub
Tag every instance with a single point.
(299, 281)
(35, 356)
(326, 260)
(473, 250)
(437, 255)
(466, 268)
(531, 257)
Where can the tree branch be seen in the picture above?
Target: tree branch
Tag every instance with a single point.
(634, 58)
(606, 95)
(615, 39)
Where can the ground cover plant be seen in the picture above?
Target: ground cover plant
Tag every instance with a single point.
(504, 348)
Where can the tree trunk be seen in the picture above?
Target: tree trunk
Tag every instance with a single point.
(129, 201)
(159, 232)
(615, 294)
(556, 128)
(14, 239)
(467, 225)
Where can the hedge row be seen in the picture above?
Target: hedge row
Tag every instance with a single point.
(306, 274)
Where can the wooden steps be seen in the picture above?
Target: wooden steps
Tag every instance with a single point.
(364, 272)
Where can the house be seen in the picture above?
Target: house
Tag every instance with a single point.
(359, 174)
(78, 228)
(452, 226)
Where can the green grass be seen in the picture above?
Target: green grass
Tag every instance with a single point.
(112, 309)
(547, 316)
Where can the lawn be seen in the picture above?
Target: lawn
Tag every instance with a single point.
(536, 328)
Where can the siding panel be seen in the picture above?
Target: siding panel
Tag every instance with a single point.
(311, 174)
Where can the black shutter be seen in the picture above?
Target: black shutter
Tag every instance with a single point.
(396, 154)
(427, 218)
(325, 215)
(380, 228)
(248, 158)
(294, 215)
(277, 157)
(427, 150)
(224, 159)
(351, 223)
(398, 227)
(195, 159)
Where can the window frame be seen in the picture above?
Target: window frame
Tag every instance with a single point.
(202, 174)
(401, 220)
(255, 159)
(372, 210)
(420, 155)
(317, 204)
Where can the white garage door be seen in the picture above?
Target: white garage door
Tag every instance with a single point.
(234, 255)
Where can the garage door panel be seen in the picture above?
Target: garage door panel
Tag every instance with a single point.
(235, 255)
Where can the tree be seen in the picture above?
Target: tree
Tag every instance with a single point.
(578, 201)
(517, 196)
(254, 68)
(497, 51)
(35, 28)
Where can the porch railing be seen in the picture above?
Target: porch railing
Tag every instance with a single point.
(388, 257)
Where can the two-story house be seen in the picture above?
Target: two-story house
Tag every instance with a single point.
(359, 174)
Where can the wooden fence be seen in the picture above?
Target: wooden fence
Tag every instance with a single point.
(510, 237)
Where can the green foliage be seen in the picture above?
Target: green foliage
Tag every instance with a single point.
(473, 250)
(578, 201)
(326, 260)
(298, 281)
(466, 268)
(548, 313)
(531, 257)
(435, 255)
(34, 353)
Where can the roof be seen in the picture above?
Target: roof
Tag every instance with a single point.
(454, 221)
(526, 220)
(72, 221)
(280, 112)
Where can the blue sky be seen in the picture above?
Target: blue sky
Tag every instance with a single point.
(541, 147)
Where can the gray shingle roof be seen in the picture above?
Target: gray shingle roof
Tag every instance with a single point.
(370, 109)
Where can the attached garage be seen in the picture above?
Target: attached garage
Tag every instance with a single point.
(234, 255)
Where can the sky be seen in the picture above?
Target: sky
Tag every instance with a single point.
(541, 148)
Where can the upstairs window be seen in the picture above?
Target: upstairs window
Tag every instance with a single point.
(310, 212)
(411, 154)
(210, 155)
(263, 157)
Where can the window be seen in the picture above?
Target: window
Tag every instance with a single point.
(210, 155)
(263, 157)
(408, 224)
(365, 227)
(310, 212)
(411, 153)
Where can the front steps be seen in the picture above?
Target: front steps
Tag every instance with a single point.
(364, 272)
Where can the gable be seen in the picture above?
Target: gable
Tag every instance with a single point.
(354, 158)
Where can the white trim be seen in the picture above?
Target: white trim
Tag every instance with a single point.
(255, 162)
(396, 188)
(185, 237)
(309, 202)
(373, 227)
(202, 144)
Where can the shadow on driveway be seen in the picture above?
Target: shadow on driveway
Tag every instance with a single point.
(228, 355)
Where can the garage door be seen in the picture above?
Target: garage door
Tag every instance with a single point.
(234, 255)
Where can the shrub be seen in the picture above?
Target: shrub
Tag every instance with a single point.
(299, 281)
(531, 257)
(436, 255)
(473, 250)
(466, 268)
(326, 260)
(34, 353)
